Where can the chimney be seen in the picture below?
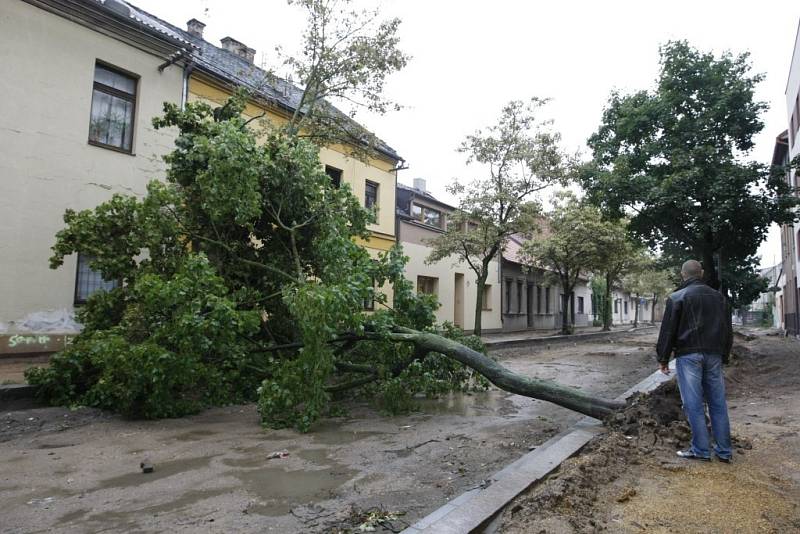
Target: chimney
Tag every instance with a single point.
(195, 28)
(240, 49)
(419, 183)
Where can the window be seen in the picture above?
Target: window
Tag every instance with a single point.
(370, 195)
(616, 305)
(486, 300)
(369, 302)
(113, 105)
(89, 281)
(427, 285)
(519, 296)
(580, 304)
(427, 215)
(547, 300)
(538, 299)
(335, 175)
(626, 307)
(508, 295)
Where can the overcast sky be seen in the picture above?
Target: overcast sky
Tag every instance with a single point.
(471, 57)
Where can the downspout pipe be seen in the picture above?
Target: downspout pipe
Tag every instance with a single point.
(187, 72)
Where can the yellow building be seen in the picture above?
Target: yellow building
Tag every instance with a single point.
(86, 80)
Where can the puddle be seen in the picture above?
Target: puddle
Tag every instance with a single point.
(162, 470)
(54, 445)
(280, 489)
(194, 435)
(117, 519)
(476, 404)
(332, 433)
(73, 515)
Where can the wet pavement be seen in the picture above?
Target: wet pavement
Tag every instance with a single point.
(213, 471)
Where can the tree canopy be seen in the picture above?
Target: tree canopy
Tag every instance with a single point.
(346, 56)
(569, 248)
(241, 281)
(520, 156)
(674, 160)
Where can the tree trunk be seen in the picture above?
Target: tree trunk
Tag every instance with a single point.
(565, 329)
(710, 274)
(481, 283)
(653, 311)
(636, 312)
(507, 380)
(572, 309)
(607, 309)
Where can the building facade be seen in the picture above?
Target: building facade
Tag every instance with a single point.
(787, 147)
(420, 218)
(81, 130)
(533, 299)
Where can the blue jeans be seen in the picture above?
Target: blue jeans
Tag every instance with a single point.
(699, 376)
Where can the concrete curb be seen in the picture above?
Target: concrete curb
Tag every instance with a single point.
(552, 340)
(474, 510)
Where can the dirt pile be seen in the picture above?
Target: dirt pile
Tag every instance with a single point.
(565, 501)
(627, 479)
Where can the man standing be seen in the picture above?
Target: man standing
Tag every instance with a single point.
(697, 327)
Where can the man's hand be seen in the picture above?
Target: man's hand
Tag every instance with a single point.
(664, 367)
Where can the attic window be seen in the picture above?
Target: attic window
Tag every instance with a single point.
(427, 215)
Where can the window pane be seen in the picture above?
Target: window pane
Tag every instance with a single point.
(370, 194)
(427, 285)
(416, 211)
(335, 175)
(432, 217)
(114, 79)
(111, 120)
(89, 281)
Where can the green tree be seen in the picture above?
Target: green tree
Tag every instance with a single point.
(617, 255)
(252, 289)
(600, 300)
(346, 56)
(647, 281)
(674, 160)
(521, 157)
(568, 248)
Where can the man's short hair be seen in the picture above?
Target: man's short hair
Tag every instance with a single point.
(692, 269)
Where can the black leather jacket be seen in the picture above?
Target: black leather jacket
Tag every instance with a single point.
(696, 319)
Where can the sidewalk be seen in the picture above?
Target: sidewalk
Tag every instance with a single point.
(538, 336)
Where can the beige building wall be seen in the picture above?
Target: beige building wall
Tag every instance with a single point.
(46, 162)
(446, 272)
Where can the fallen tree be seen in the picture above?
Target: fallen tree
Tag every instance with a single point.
(505, 379)
(253, 289)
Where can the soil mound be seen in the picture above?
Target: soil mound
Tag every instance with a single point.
(575, 498)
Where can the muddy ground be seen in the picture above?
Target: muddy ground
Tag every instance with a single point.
(630, 480)
(78, 471)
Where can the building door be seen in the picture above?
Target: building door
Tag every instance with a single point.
(529, 304)
(458, 301)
